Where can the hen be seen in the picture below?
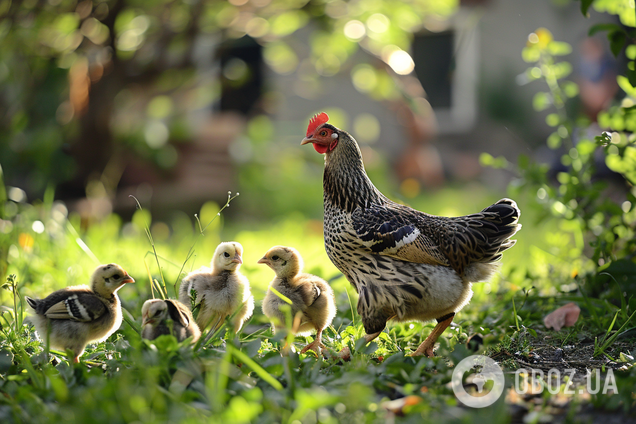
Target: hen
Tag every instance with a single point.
(72, 317)
(221, 290)
(312, 298)
(168, 316)
(404, 264)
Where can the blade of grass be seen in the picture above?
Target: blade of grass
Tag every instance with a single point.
(152, 244)
(260, 371)
(620, 293)
(597, 321)
(608, 341)
(128, 318)
(191, 251)
(514, 311)
(280, 295)
(81, 243)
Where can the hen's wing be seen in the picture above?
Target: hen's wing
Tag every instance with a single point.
(406, 234)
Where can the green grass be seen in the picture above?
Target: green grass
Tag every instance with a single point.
(245, 378)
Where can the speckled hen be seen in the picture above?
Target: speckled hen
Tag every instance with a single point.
(405, 264)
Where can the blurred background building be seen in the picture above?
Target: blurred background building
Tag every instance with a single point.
(178, 103)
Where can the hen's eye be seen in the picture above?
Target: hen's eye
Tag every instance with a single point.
(323, 133)
(275, 258)
(227, 255)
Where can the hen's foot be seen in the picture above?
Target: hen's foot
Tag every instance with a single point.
(426, 348)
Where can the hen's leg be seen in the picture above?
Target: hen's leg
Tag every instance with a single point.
(426, 348)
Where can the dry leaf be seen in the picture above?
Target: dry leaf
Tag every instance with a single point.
(565, 316)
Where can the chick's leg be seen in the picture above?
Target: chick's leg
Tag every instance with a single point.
(316, 344)
(426, 348)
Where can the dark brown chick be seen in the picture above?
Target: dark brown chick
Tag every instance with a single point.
(312, 298)
(72, 317)
(168, 316)
(405, 264)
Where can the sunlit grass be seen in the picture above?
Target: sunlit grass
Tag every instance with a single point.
(245, 378)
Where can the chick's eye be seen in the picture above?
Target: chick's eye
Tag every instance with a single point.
(275, 258)
(227, 255)
(116, 276)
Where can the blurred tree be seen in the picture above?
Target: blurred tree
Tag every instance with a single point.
(85, 84)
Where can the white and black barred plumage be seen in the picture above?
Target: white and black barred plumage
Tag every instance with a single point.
(72, 317)
(405, 264)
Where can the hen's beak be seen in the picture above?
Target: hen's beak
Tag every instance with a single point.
(264, 260)
(237, 258)
(306, 140)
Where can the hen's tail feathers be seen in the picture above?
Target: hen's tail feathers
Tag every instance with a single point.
(498, 223)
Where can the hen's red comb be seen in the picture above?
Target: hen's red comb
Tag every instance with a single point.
(316, 121)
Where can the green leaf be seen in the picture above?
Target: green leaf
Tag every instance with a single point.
(553, 119)
(631, 76)
(585, 147)
(554, 141)
(523, 161)
(486, 159)
(630, 51)
(617, 41)
(530, 54)
(559, 48)
(603, 27)
(541, 101)
(627, 87)
(571, 89)
(562, 69)
(585, 5)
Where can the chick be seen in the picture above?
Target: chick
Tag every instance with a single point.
(312, 298)
(168, 317)
(72, 317)
(221, 290)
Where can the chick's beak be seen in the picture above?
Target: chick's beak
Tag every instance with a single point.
(237, 258)
(264, 260)
(127, 279)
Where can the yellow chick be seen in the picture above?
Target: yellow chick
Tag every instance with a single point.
(220, 290)
(72, 317)
(168, 317)
(312, 298)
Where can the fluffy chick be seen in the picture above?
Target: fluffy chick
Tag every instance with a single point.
(220, 290)
(312, 298)
(168, 317)
(72, 317)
